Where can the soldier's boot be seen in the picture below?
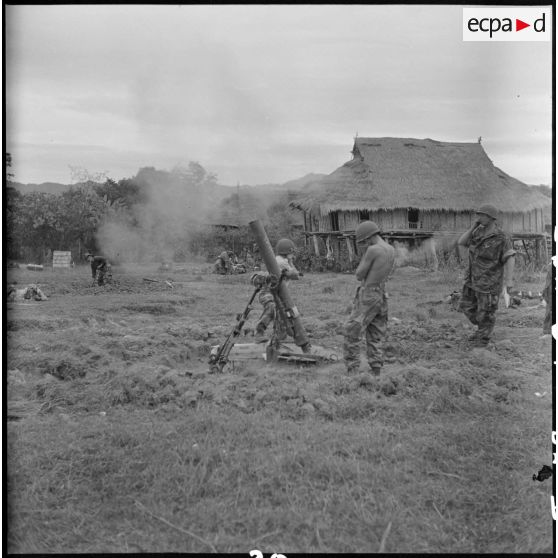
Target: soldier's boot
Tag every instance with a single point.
(260, 336)
(473, 338)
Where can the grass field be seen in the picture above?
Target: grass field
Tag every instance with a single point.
(120, 441)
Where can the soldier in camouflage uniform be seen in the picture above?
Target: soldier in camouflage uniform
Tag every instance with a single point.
(491, 263)
(370, 306)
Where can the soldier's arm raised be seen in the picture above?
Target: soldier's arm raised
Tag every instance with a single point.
(365, 264)
(465, 238)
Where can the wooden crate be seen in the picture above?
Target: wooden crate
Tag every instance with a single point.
(61, 259)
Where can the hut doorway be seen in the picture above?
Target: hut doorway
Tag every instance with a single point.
(413, 218)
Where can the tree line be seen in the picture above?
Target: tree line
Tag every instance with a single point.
(39, 222)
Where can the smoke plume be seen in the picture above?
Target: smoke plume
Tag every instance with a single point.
(174, 205)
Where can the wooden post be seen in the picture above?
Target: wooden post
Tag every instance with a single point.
(526, 250)
(349, 243)
(541, 252)
(316, 245)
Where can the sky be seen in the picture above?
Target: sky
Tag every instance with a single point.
(261, 93)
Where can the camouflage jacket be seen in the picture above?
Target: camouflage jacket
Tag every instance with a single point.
(488, 252)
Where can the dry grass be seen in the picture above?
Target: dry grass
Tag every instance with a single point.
(119, 441)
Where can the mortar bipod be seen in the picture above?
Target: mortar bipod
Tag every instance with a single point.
(219, 357)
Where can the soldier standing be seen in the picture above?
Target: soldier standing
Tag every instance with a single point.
(491, 263)
(370, 306)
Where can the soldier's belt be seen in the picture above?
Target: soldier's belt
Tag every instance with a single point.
(380, 288)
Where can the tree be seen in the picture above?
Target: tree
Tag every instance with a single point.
(84, 211)
(126, 191)
(36, 222)
(8, 163)
(81, 175)
(13, 245)
(283, 221)
(194, 174)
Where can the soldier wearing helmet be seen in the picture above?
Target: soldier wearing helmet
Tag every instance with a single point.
(370, 307)
(490, 270)
(284, 255)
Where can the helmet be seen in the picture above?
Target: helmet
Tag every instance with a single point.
(284, 247)
(365, 230)
(489, 210)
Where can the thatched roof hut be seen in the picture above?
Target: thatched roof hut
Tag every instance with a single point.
(391, 173)
(416, 189)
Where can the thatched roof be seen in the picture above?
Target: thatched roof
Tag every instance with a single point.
(389, 173)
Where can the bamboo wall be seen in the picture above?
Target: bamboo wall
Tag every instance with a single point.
(531, 221)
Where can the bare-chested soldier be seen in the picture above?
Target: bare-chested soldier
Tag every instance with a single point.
(370, 307)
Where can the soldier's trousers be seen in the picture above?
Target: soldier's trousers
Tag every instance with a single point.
(100, 276)
(268, 314)
(480, 309)
(369, 313)
(272, 313)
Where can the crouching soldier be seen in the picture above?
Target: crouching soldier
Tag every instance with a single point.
(284, 257)
(223, 263)
(99, 268)
(370, 306)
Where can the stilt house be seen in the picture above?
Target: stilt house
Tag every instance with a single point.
(418, 191)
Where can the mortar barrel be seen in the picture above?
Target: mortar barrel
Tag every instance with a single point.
(266, 251)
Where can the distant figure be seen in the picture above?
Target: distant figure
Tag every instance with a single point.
(548, 297)
(284, 257)
(249, 259)
(491, 264)
(223, 263)
(99, 268)
(370, 305)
